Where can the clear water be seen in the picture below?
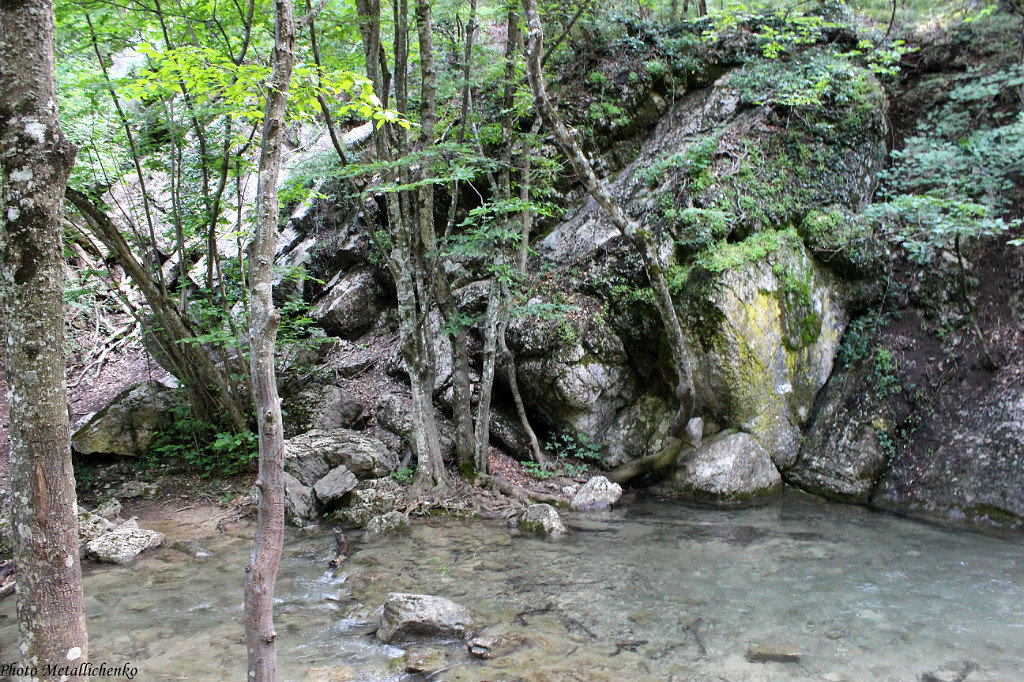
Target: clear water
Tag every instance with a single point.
(655, 591)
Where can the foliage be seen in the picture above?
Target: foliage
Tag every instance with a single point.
(197, 444)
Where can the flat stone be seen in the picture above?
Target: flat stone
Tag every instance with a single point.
(783, 652)
(120, 545)
(338, 482)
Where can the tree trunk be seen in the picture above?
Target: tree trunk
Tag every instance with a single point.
(261, 572)
(37, 161)
(644, 241)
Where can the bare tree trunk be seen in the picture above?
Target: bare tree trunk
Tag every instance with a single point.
(261, 572)
(644, 241)
(37, 160)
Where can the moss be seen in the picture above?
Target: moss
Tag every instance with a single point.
(726, 256)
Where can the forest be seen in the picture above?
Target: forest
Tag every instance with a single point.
(512, 339)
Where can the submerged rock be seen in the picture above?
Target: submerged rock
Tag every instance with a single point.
(783, 652)
(416, 616)
(541, 519)
(121, 544)
(597, 493)
(129, 425)
(385, 524)
(729, 468)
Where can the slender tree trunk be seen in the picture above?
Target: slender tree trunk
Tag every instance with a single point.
(261, 572)
(644, 241)
(37, 160)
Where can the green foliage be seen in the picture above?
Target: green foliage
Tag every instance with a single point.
(199, 445)
(404, 475)
(726, 256)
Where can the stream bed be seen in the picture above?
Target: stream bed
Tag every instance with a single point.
(657, 590)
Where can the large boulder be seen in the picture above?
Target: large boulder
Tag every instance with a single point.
(310, 456)
(541, 519)
(730, 468)
(968, 465)
(299, 503)
(765, 332)
(372, 499)
(416, 616)
(353, 302)
(129, 425)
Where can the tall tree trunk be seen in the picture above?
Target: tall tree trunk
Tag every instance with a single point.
(643, 240)
(37, 161)
(261, 572)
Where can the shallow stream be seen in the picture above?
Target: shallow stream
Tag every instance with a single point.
(655, 591)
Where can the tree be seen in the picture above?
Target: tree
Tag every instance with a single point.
(640, 237)
(37, 160)
(261, 571)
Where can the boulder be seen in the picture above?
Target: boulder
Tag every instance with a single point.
(338, 482)
(415, 616)
(299, 503)
(386, 524)
(541, 519)
(311, 455)
(765, 333)
(122, 543)
(353, 301)
(597, 493)
(729, 468)
(322, 407)
(128, 426)
(843, 451)
(372, 499)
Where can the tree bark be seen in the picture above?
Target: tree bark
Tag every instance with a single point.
(37, 160)
(644, 241)
(261, 572)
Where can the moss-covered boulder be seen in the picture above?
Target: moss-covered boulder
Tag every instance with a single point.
(765, 330)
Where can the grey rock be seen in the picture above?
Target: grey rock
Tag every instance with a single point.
(372, 499)
(338, 482)
(321, 407)
(386, 524)
(121, 544)
(541, 519)
(351, 305)
(597, 493)
(299, 503)
(311, 455)
(110, 509)
(842, 453)
(129, 425)
(416, 616)
(729, 468)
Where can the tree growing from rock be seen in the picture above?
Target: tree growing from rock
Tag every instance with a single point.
(642, 239)
(37, 159)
